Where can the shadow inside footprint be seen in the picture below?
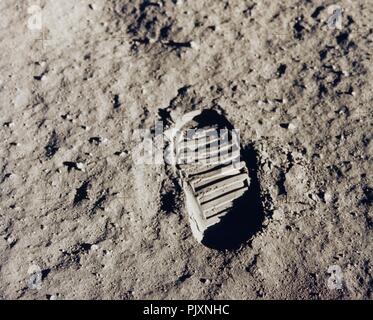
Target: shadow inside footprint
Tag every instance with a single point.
(246, 217)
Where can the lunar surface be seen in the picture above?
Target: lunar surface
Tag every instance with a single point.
(84, 83)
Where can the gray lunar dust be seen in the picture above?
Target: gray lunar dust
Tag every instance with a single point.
(80, 219)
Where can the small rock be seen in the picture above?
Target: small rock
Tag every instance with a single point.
(328, 197)
(194, 45)
(8, 124)
(292, 126)
(11, 240)
(80, 166)
(36, 277)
